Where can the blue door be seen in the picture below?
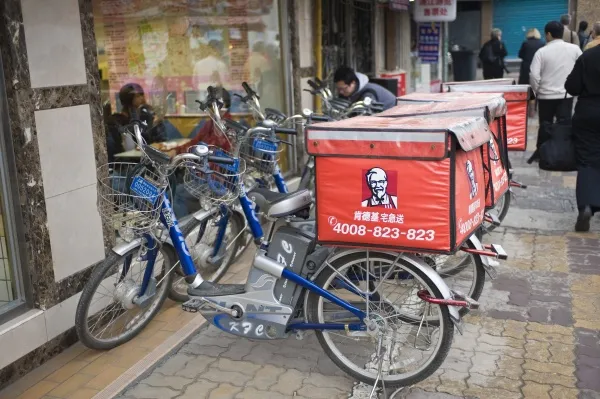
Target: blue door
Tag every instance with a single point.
(516, 17)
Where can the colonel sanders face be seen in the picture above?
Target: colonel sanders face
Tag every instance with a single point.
(377, 182)
(471, 175)
(493, 150)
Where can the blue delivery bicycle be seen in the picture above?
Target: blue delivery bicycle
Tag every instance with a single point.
(387, 319)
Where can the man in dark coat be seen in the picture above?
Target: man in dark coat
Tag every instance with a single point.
(355, 86)
(492, 56)
(584, 82)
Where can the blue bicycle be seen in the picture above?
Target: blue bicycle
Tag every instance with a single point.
(389, 319)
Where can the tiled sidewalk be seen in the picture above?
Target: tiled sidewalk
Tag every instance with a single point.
(537, 334)
(81, 373)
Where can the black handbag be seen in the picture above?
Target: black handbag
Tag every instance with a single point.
(557, 153)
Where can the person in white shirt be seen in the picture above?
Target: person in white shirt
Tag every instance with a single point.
(549, 70)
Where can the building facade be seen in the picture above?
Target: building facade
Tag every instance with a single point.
(63, 63)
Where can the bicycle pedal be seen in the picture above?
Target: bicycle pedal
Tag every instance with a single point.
(193, 305)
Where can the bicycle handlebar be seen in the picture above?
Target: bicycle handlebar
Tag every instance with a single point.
(221, 160)
(285, 130)
(320, 118)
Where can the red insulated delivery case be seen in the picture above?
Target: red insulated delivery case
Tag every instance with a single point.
(494, 153)
(501, 81)
(410, 184)
(517, 99)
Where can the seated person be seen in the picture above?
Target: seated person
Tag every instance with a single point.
(355, 86)
(184, 202)
(134, 106)
(208, 133)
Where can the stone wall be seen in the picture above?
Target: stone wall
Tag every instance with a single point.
(52, 85)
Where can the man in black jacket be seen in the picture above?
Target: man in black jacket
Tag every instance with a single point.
(492, 56)
(355, 86)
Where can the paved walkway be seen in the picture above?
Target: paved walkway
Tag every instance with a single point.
(536, 336)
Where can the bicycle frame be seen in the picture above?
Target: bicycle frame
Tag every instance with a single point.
(169, 220)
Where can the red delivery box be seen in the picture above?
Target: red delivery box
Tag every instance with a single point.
(517, 99)
(500, 81)
(495, 157)
(409, 184)
(446, 97)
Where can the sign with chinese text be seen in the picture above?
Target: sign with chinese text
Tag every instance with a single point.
(429, 43)
(435, 10)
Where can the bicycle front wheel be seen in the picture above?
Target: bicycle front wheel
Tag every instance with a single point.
(405, 348)
(110, 311)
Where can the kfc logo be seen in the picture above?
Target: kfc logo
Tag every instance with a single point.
(493, 151)
(472, 182)
(380, 187)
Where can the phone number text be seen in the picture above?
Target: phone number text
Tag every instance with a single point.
(384, 232)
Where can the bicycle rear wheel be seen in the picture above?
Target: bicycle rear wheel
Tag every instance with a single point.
(400, 317)
(109, 312)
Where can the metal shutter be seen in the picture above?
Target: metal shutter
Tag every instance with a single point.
(515, 17)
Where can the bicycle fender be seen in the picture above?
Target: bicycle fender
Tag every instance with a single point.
(123, 248)
(423, 267)
(489, 269)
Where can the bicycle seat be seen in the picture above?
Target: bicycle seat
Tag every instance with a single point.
(278, 205)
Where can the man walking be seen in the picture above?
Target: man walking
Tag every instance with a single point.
(549, 70)
(568, 35)
(492, 56)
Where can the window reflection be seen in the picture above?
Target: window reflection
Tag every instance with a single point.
(175, 49)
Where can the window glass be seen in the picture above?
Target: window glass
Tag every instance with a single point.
(175, 49)
(7, 278)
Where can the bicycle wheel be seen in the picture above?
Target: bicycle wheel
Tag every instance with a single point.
(106, 314)
(200, 238)
(500, 210)
(362, 357)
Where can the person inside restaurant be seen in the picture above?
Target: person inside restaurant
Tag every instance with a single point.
(184, 202)
(134, 106)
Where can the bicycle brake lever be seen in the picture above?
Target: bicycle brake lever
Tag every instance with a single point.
(201, 105)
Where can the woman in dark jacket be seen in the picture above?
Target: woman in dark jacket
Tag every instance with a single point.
(526, 53)
(584, 82)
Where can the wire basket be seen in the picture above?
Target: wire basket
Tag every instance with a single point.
(130, 196)
(261, 153)
(213, 182)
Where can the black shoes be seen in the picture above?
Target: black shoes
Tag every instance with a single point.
(583, 220)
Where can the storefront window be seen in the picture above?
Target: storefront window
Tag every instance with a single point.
(11, 294)
(176, 49)
(7, 278)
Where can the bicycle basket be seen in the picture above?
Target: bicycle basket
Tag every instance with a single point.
(216, 183)
(261, 153)
(130, 196)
